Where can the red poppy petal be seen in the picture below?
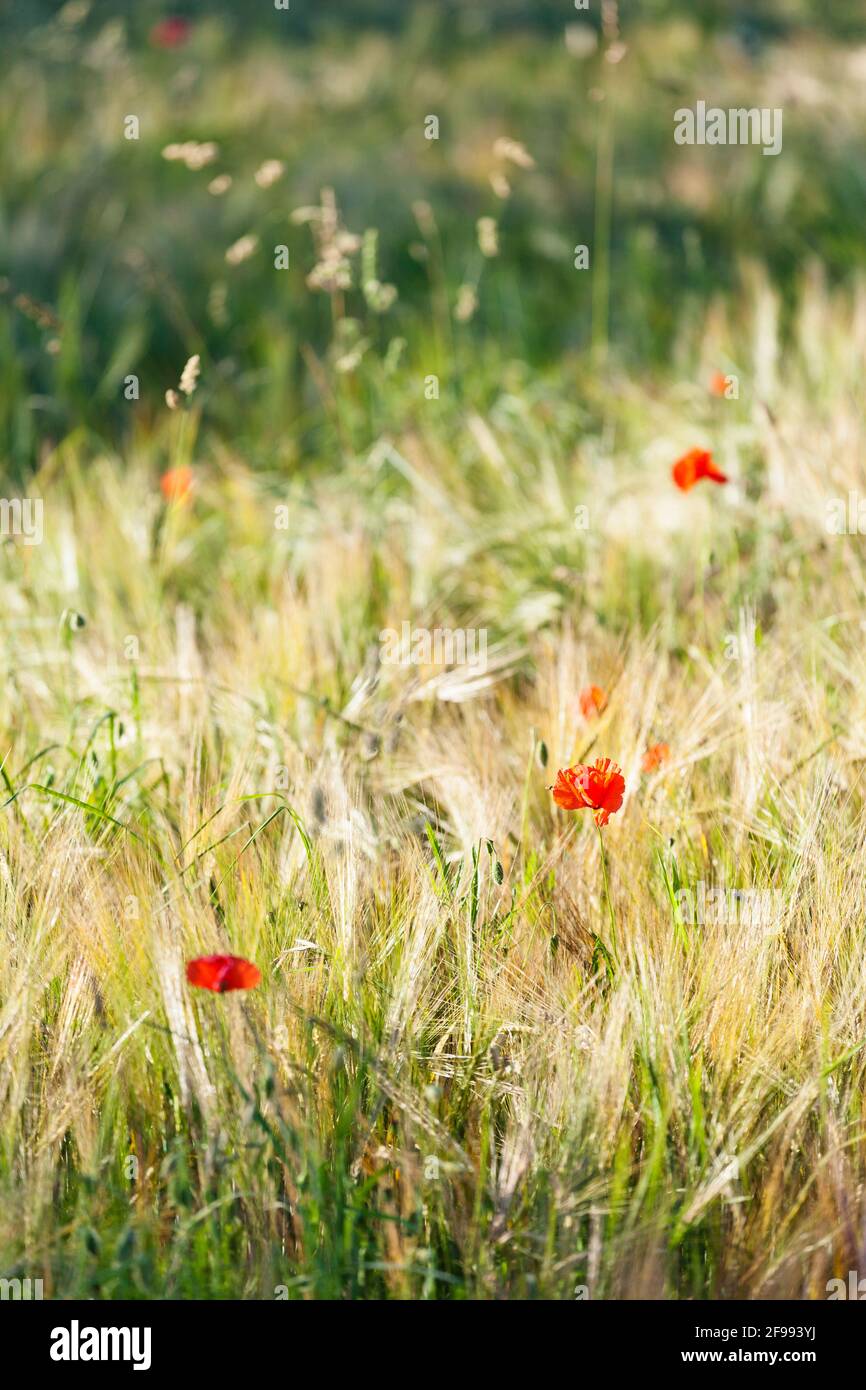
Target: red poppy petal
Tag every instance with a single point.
(221, 973)
(205, 972)
(564, 793)
(242, 974)
(715, 473)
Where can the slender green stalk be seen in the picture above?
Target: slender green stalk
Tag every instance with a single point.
(607, 893)
(602, 233)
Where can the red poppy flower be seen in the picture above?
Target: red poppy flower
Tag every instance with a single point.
(695, 465)
(654, 756)
(600, 788)
(718, 384)
(221, 973)
(592, 701)
(171, 32)
(176, 484)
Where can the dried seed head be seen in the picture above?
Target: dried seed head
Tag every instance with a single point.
(488, 236)
(242, 249)
(467, 303)
(513, 152)
(269, 172)
(192, 154)
(190, 374)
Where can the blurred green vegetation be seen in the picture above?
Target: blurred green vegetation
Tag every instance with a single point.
(125, 250)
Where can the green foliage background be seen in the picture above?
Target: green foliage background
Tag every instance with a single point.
(126, 248)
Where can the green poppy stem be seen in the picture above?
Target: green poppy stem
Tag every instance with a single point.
(607, 893)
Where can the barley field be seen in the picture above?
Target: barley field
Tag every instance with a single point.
(351, 486)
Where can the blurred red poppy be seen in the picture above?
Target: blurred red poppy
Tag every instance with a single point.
(695, 465)
(222, 973)
(176, 483)
(718, 384)
(170, 33)
(654, 756)
(599, 788)
(592, 701)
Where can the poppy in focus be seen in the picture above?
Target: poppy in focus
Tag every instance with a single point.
(176, 483)
(592, 701)
(654, 756)
(222, 973)
(170, 33)
(599, 788)
(695, 465)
